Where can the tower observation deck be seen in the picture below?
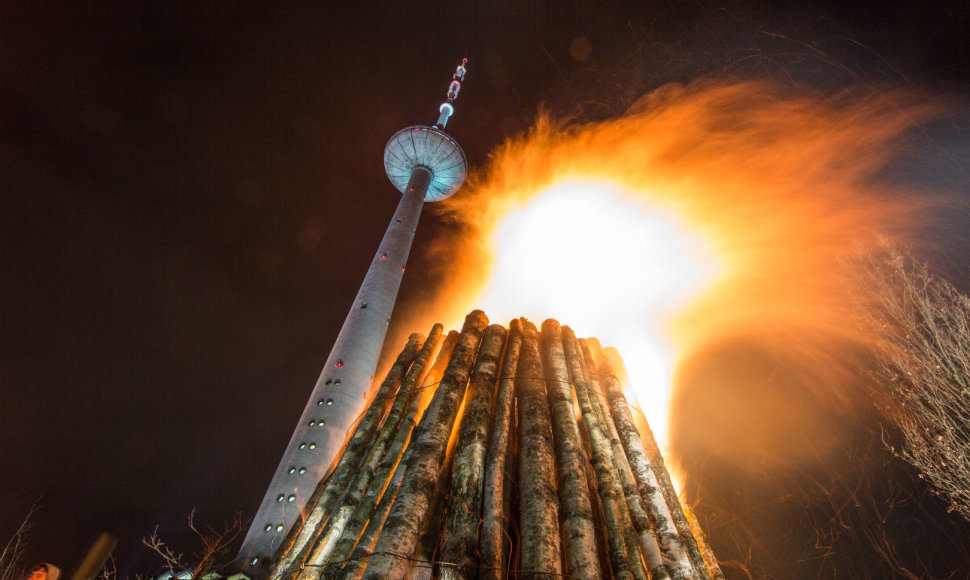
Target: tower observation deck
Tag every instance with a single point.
(425, 164)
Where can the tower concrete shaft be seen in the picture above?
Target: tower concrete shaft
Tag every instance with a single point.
(433, 167)
(341, 390)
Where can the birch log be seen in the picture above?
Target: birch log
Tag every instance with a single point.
(464, 508)
(351, 500)
(353, 568)
(493, 545)
(423, 564)
(399, 537)
(602, 538)
(635, 510)
(298, 542)
(602, 457)
(642, 547)
(399, 423)
(396, 459)
(577, 512)
(707, 555)
(676, 558)
(635, 546)
(539, 509)
(678, 510)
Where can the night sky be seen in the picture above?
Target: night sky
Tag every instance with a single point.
(192, 193)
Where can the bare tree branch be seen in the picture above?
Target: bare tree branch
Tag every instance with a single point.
(214, 546)
(923, 366)
(12, 554)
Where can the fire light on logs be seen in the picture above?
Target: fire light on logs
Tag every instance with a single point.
(498, 478)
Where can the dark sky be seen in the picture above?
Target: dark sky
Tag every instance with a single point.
(192, 193)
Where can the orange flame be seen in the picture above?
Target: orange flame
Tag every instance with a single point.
(707, 211)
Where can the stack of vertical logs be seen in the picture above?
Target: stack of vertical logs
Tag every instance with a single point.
(514, 454)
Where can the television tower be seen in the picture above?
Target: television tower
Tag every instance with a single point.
(424, 164)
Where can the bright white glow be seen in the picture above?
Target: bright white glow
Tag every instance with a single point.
(609, 265)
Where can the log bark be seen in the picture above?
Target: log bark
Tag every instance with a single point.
(577, 511)
(713, 568)
(665, 531)
(351, 500)
(602, 537)
(297, 545)
(423, 564)
(464, 507)
(602, 457)
(681, 521)
(354, 567)
(400, 422)
(399, 537)
(677, 512)
(635, 546)
(539, 554)
(493, 545)
(396, 459)
(635, 511)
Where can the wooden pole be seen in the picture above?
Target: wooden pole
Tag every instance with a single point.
(493, 545)
(602, 459)
(464, 506)
(299, 541)
(398, 539)
(635, 511)
(396, 459)
(540, 550)
(665, 531)
(704, 567)
(388, 448)
(352, 497)
(577, 511)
